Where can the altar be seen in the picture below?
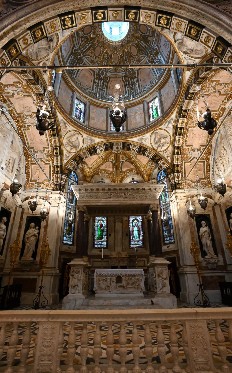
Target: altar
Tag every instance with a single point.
(119, 282)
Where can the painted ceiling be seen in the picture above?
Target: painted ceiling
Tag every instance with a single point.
(176, 143)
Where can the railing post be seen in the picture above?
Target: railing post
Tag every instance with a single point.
(25, 347)
(199, 348)
(148, 349)
(47, 347)
(110, 349)
(12, 348)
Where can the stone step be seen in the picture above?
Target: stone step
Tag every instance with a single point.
(104, 302)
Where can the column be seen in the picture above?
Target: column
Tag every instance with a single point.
(149, 231)
(156, 234)
(86, 235)
(80, 242)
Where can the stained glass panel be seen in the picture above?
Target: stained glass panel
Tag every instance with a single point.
(70, 213)
(136, 231)
(100, 232)
(154, 109)
(79, 110)
(165, 209)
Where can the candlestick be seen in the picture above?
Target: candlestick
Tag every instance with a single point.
(102, 252)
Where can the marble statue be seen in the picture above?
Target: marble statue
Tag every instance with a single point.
(2, 232)
(31, 237)
(206, 240)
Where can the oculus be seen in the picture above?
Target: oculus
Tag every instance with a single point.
(115, 31)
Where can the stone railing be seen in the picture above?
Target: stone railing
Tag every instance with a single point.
(116, 341)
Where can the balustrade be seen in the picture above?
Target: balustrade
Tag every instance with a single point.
(125, 341)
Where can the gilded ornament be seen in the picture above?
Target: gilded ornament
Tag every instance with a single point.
(115, 14)
(99, 15)
(3, 61)
(207, 39)
(83, 18)
(163, 20)
(25, 41)
(38, 33)
(13, 51)
(68, 21)
(179, 25)
(52, 26)
(219, 48)
(229, 243)
(193, 31)
(131, 15)
(147, 17)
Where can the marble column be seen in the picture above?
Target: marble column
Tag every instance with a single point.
(156, 248)
(80, 242)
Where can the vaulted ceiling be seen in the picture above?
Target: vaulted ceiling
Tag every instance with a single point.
(44, 35)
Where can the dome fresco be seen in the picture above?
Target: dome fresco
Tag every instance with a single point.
(141, 46)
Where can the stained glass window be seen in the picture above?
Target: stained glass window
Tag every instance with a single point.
(70, 213)
(136, 231)
(100, 232)
(154, 109)
(165, 209)
(79, 110)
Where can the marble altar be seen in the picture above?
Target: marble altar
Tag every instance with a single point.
(115, 282)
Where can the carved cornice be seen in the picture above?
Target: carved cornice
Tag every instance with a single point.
(111, 194)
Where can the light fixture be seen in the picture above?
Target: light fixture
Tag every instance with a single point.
(220, 187)
(15, 186)
(191, 210)
(203, 201)
(45, 120)
(33, 204)
(118, 113)
(44, 212)
(209, 123)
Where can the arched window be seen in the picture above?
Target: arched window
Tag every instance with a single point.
(165, 209)
(70, 213)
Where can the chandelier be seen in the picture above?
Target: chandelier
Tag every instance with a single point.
(220, 187)
(45, 120)
(118, 113)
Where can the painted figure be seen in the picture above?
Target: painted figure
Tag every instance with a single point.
(135, 230)
(2, 232)
(100, 230)
(206, 240)
(30, 239)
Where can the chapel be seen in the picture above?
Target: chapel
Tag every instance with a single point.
(115, 185)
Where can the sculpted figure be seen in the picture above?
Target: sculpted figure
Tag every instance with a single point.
(2, 232)
(206, 240)
(30, 239)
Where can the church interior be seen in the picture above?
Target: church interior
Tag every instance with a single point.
(116, 184)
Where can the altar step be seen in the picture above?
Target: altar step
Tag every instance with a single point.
(118, 303)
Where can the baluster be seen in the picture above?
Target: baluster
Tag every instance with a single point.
(230, 330)
(12, 348)
(2, 339)
(25, 348)
(185, 344)
(110, 349)
(71, 349)
(148, 349)
(221, 347)
(161, 347)
(97, 351)
(84, 349)
(136, 349)
(60, 348)
(123, 347)
(174, 348)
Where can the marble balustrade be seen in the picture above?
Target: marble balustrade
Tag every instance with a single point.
(116, 341)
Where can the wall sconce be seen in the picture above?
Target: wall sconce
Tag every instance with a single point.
(220, 187)
(191, 210)
(33, 204)
(15, 186)
(44, 212)
(209, 123)
(203, 201)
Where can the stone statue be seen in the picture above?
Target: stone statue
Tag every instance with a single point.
(30, 238)
(206, 240)
(2, 232)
